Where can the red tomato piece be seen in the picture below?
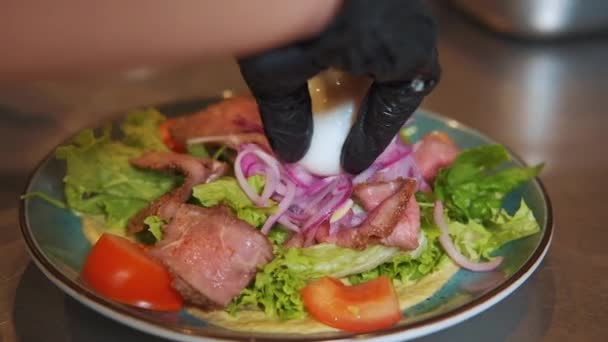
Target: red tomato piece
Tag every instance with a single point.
(164, 130)
(121, 270)
(360, 308)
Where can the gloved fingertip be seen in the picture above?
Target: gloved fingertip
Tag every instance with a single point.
(358, 153)
(288, 123)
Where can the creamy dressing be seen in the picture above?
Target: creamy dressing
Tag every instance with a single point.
(336, 98)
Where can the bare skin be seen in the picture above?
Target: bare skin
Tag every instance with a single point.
(44, 39)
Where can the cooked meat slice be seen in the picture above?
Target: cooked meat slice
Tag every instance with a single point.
(370, 195)
(435, 151)
(380, 225)
(212, 254)
(195, 171)
(295, 241)
(234, 141)
(405, 233)
(232, 116)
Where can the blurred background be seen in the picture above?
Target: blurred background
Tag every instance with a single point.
(531, 74)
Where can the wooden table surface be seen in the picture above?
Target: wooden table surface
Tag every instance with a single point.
(548, 102)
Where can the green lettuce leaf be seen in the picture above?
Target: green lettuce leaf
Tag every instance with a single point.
(276, 288)
(155, 226)
(408, 266)
(474, 186)
(478, 241)
(227, 191)
(140, 129)
(100, 181)
(278, 235)
(154, 231)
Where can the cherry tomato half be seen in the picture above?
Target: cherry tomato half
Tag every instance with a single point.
(121, 270)
(164, 130)
(360, 308)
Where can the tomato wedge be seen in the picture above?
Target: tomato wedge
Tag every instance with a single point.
(119, 269)
(164, 130)
(360, 308)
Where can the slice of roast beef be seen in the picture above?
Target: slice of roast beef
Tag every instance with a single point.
(295, 241)
(195, 171)
(370, 195)
(212, 254)
(405, 233)
(235, 120)
(434, 151)
(383, 220)
(234, 141)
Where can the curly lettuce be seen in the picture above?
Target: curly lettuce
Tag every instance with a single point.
(475, 240)
(475, 185)
(276, 289)
(227, 191)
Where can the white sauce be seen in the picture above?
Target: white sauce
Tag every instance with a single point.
(336, 98)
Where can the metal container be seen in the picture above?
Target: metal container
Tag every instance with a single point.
(539, 18)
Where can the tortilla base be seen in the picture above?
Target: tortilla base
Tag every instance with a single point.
(256, 321)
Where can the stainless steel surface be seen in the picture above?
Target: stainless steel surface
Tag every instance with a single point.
(539, 18)
(549, 103)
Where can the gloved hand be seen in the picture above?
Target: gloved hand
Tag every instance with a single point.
(392, 41)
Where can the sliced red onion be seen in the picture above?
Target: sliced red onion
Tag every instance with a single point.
(390, 162)
(453, 252)
(400, 168)
(341, 189)
(405, 167)
(247, 162)
(366, 174)
(296, 214)
(285, 221)
(306, 200)
(300, 175)
(283, 206)
(395, 150)
(281, 188)
(310, 203)
(319, 185)
(271, 172)
(242, 180)
(270, 186)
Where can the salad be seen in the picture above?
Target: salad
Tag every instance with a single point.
(196, 212)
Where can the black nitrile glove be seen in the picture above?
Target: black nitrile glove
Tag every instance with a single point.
(392, 41)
